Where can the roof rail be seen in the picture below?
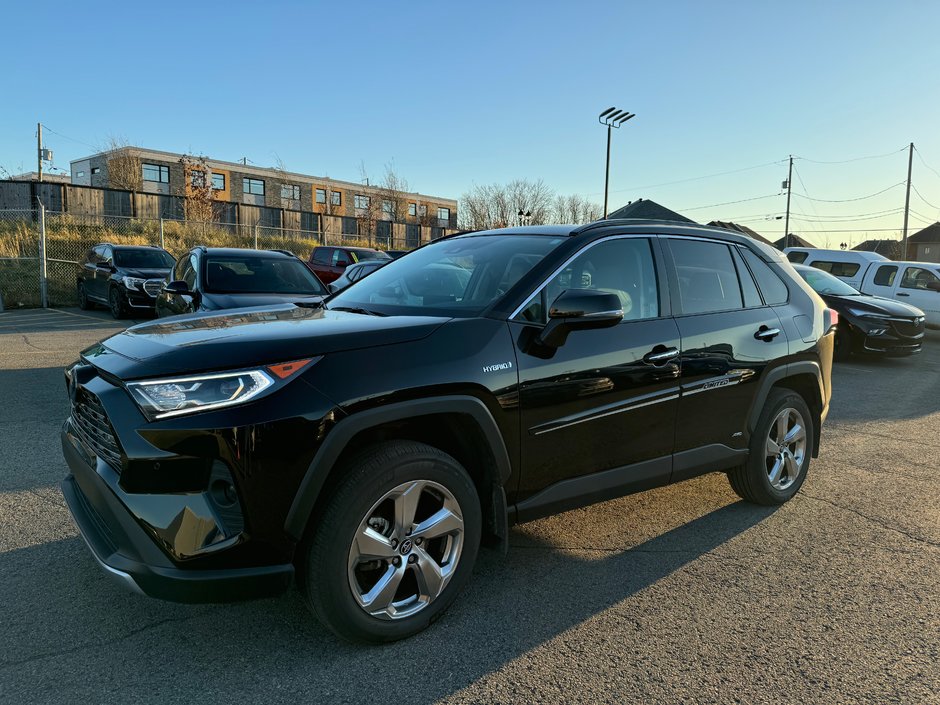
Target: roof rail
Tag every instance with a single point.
(283, 252)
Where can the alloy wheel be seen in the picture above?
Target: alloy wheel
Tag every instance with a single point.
(786, 448)
(115, 301)
(405, 550)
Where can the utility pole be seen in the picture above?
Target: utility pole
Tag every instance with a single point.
(907, 200)
(39, 148)
(786, 223)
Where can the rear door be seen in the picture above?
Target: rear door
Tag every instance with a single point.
(920, 287)
(729, 336)
(606, 398)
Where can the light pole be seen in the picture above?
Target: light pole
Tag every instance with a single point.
(612, 117)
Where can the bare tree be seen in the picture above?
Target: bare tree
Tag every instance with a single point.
(394, 192)
(198, 195)
(124, 166)
(575, 209)
(498, 205)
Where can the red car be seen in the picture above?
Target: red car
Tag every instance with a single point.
(329, 263)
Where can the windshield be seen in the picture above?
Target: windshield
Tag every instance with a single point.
(360, 255)
(143, 259)
(454, 277)
(260, 275)
(824, 283)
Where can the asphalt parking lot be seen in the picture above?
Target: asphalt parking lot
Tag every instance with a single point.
(682, 594)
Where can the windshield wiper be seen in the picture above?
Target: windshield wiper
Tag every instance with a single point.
(355, 309)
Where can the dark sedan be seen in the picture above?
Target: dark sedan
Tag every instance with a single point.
(215, 278)
(867, 324)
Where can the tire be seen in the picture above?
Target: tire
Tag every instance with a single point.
(774, 472)
(423, 571)
(83, 303)
(843, 345)
(115, 305)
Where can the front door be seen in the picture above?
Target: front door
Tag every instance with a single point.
(920, 287)
(606, 399)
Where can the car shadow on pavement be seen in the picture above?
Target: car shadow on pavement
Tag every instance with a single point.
(107, 645)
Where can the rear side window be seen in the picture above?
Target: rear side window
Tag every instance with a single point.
(770, 284)
(838, 269)
(340, 258)
(322, 255)
(797, 257)
(707, 278)
(885, 275)
(748, 287)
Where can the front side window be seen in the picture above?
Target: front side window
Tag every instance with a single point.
(189, 272)
(218, 182)
(708, 281)
(254, 187)
(361, 202)
(623, 266)
(886, 274)
(919, 278)
(838, 269)
(238, 274)
(290, 192)
(321, 195)
(341, 258)
(454, 277)
(156, 173)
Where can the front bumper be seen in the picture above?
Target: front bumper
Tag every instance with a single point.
(131, 558)
(895, 337)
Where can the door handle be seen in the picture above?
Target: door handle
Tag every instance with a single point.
(660, 355)
(901, 293)
(766, 334)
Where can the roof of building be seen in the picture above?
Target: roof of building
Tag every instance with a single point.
(929, 234)
(743, 229)
(889, 248)
(34, 176)
(647, 210)
(795, 241)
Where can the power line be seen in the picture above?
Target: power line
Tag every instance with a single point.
(71, 139)
(914, 188)
(728, 203)
(693, 178)
(919, 156)
(847, 200)
(836, 219)
(855, 159)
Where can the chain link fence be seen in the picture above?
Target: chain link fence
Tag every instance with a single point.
(69, 236)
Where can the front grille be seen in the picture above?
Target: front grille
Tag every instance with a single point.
(907, 328)
(153, 287)
(91, 422)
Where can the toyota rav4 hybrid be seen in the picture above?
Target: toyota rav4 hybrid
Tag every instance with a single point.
(368, 447)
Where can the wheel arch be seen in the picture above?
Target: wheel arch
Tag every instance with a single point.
(461, 426)
(803, 377)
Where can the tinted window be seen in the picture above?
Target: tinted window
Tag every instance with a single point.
(107, 255)
(143, 259)
(186, 270)
(707, 278)
(768, 281)
(919, 278)
(797, 257)
(322, 255)
(748, 287)
(340, 258)
(362, 255)
(885, 275)
(235, 274)
(824, 283)
(839, 269)
(623, 267)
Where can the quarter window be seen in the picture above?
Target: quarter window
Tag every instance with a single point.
(321, 195)
(156, 173)
(253, 186)
(748, 287)
(770, 284)
(886, 274)
(837, 269)
(623, 267)
(919, 278)
(706, 275)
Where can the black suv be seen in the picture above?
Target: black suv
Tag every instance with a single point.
(369, 446)
(215, 278)
(124, 278)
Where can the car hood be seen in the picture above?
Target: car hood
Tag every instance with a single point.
(247, 337)
(874, 304)
(145, 273)
(212, 301)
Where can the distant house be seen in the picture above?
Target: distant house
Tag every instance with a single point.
(889, 248)
(649, 210)
(743, 229)
(924, 246)
(795, 241)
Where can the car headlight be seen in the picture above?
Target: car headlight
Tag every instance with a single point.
(162, 398)
(133, 283)
(861, 313)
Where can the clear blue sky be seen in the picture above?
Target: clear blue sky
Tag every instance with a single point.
(477, 92)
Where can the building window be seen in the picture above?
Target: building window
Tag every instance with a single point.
(362, 202)
(290, 192)
(412, 209)
(80, 174)
(96, 170)
(218, 182)
(321, 195)
(336, 198)
(443, 214)
(422, 210)
(198, 178)
(253, 186)
(154, 172)
(388, 208)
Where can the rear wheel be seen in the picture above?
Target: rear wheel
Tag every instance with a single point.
(779, 453)
(395, 544)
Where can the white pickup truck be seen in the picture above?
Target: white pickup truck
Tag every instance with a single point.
(914, 283)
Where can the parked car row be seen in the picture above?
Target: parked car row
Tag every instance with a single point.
(146, 279)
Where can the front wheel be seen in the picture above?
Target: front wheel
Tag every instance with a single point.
(780, 451)
(395, 544)
(83, 303)
(115, 304)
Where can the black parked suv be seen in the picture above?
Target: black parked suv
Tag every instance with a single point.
(124, 278)
(368, 447)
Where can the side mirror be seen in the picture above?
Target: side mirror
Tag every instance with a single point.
(177, 287)
(579, 309)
